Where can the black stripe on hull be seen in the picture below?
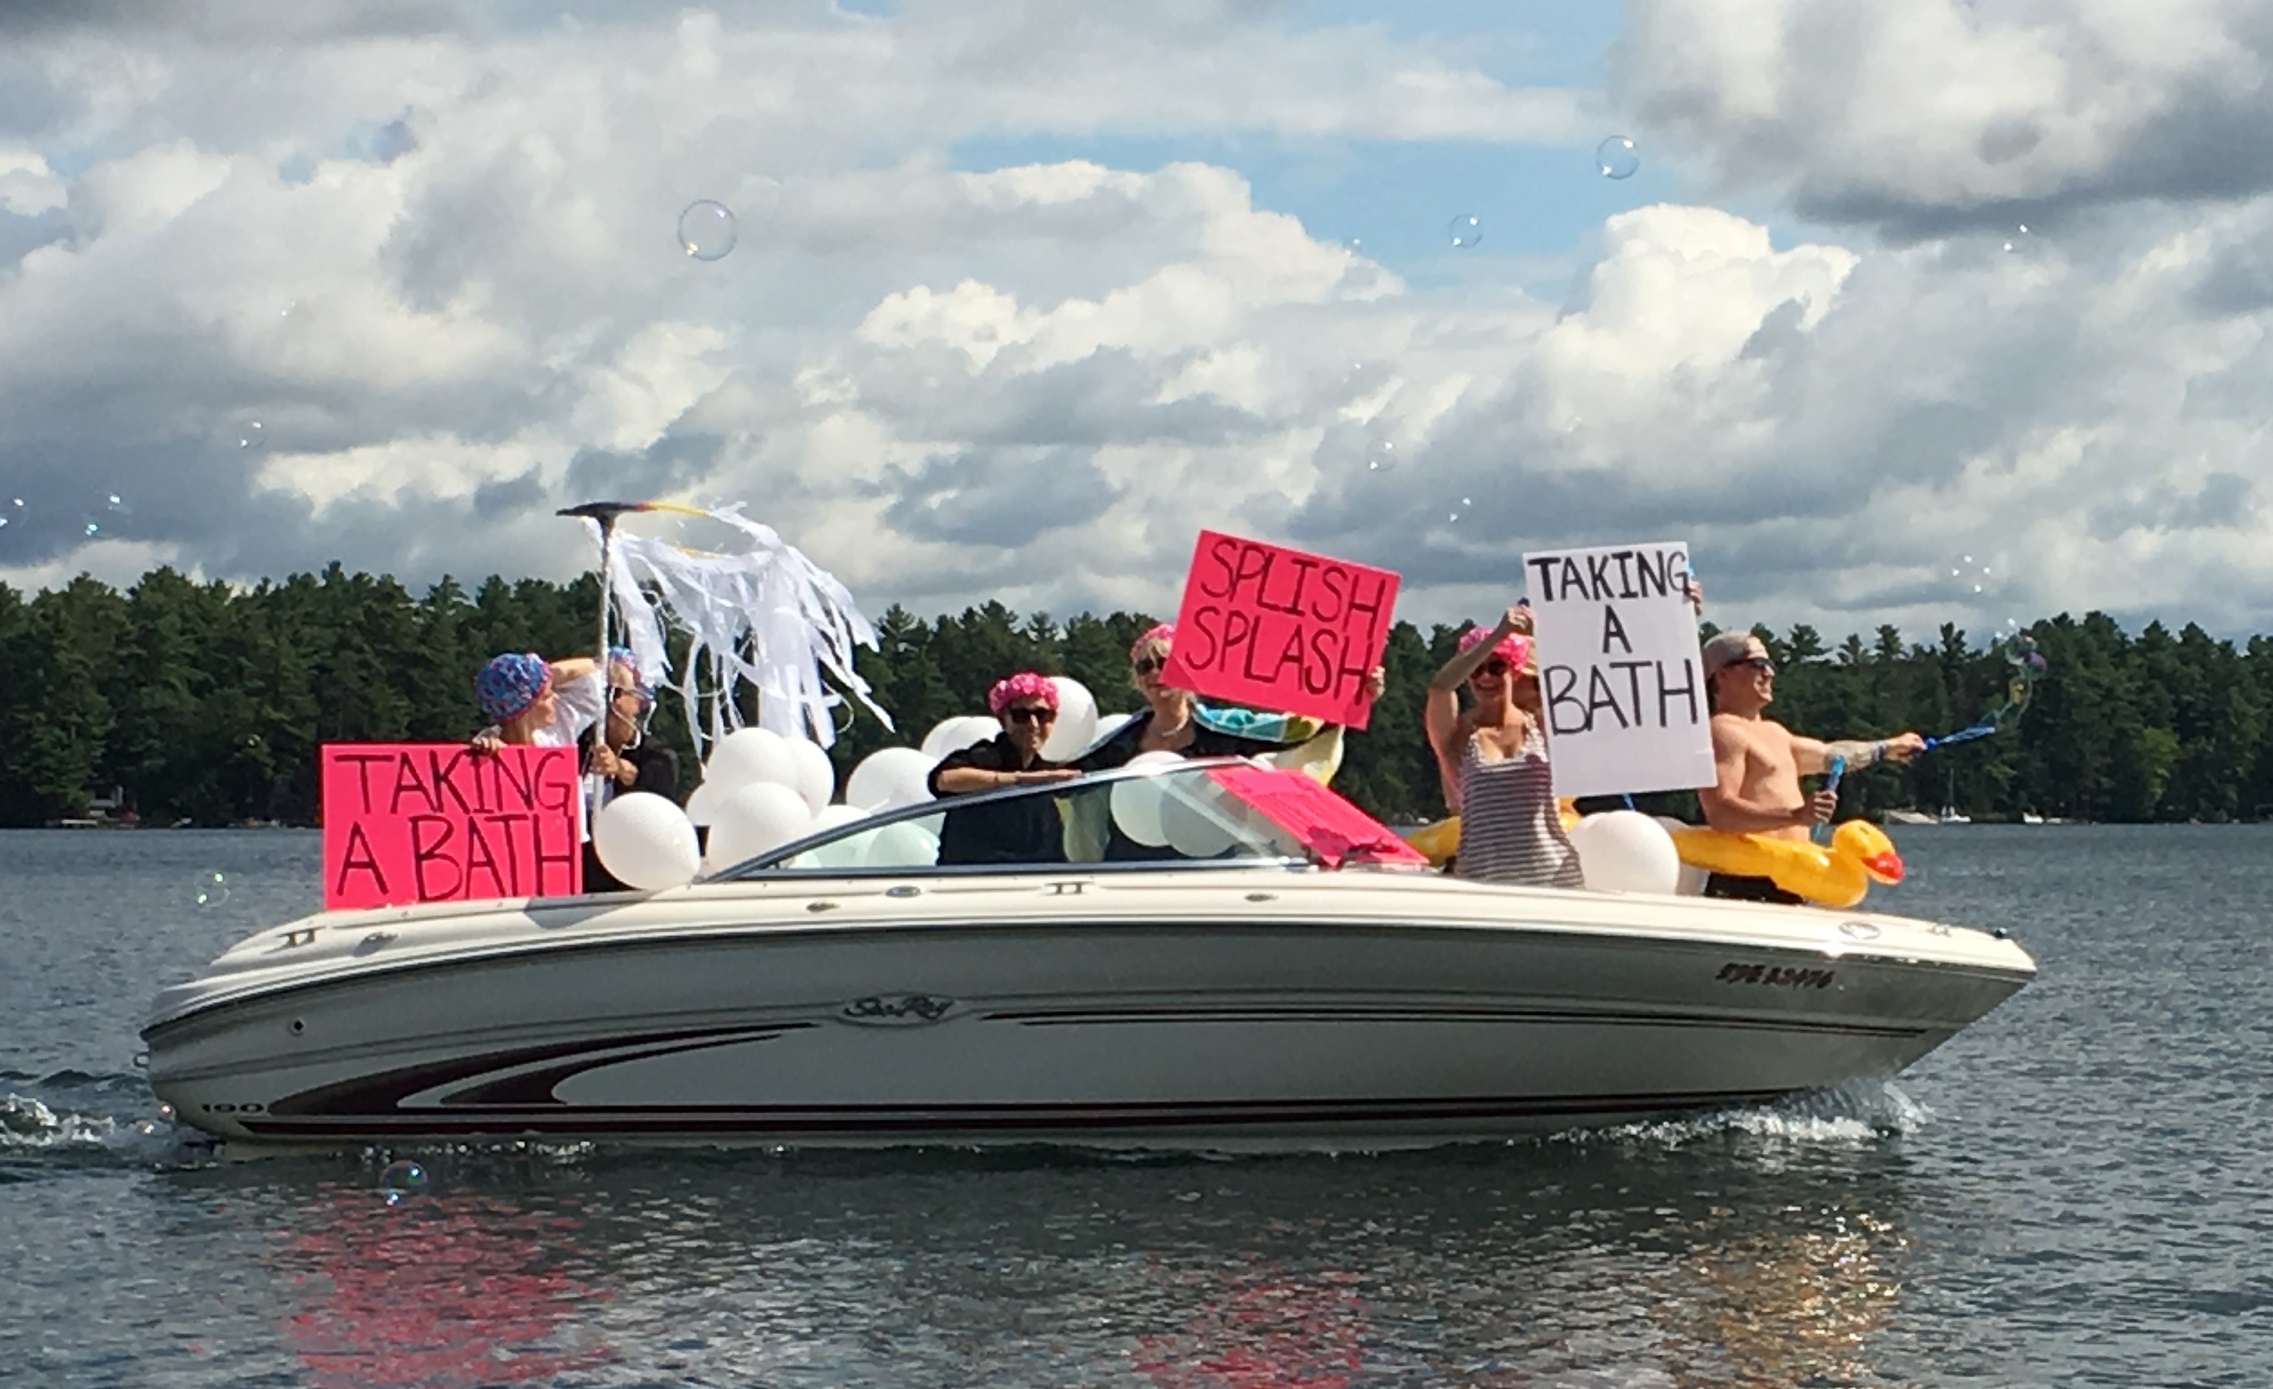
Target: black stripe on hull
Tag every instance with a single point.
(1069, 1017)
(948, 1121)
(387, 1089)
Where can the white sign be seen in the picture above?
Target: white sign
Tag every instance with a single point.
(1621, 679)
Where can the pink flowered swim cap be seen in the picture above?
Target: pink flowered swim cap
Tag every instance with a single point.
(1159, 633)
(1026, 684)
(1515, 648)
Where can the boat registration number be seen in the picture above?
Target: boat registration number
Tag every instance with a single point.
(1776, 976)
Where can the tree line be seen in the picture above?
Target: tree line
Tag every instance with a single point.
(207, 702)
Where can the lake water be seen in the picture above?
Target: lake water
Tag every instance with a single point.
(2073, 1192)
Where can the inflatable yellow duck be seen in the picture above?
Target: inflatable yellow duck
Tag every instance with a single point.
(1837, 874)
(1440, 839)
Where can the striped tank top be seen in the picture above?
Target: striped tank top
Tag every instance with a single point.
(1510, 831)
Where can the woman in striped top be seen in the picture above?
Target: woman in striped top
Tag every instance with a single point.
(1493, 760)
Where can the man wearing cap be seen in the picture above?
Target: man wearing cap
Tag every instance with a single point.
(1757, 762)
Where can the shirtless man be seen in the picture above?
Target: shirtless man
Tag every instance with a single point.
(1758, 762)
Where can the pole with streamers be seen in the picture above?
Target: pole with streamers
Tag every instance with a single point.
(765, 614)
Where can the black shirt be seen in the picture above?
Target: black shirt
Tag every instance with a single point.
(1026, 830)
(658, 772)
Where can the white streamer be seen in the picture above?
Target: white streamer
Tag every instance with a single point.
(768, 616)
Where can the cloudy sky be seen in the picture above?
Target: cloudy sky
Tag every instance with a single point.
(1913, 311)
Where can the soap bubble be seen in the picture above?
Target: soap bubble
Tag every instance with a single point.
(2019, 240)
(105, 515)
(1382, 456)
(1615, 157)
(252, 434)
(2018, 646)
(1465, 230)
(1972, 578)
(401, 1181)
(706, 230)
(210, 890)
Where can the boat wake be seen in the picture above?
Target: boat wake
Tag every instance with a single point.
(1854, 1115)
(74, 1115)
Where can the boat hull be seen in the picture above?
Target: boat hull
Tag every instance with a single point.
(1277, 1024)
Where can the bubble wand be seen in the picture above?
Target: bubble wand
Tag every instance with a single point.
(2027, 663)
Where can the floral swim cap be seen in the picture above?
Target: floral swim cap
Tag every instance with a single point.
(1158, 634)
(510, 684)
(1514, 648)
(1026, 684)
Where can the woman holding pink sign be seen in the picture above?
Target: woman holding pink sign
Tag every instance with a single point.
(1493, 760)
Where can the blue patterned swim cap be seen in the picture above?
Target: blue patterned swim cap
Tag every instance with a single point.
(509, 684)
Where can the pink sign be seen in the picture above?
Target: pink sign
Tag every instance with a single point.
(436, 822)
(1338, 831)
(1281, 629)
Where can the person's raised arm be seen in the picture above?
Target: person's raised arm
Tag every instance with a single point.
(1455, 672)
(574, 668)
(1814, 758)
(1729, 810)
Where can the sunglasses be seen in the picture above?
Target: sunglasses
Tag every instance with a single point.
(1759, 663)
(1032, 714)
(1146, 665)
(1495, 666)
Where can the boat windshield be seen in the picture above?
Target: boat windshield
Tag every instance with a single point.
(1221, 810)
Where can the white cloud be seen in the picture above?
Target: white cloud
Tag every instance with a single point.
(1037, 382)
(1926, 114)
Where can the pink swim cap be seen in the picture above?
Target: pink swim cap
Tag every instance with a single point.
(1026, 684)
(1159, 633)
(1514, 648)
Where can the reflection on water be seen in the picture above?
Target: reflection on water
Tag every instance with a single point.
(1261, 1327)
(440, 1292)
(1708, 1259)
(1795, 1303)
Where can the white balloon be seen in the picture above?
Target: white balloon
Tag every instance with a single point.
(816, 774)
(703, 804)
(1108, 725)
(1076, 725)
(1191, 832)
(889, 776)
(1626, 851)
(749, 756)
(1161, 758)
(833, 816)
(904, 845)
(646, 841)
(957, 733)
(851, 851)
(752, 820)
(1137, 810)
(1692, 882)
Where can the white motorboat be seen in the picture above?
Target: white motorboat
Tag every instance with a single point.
(1273, 974)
